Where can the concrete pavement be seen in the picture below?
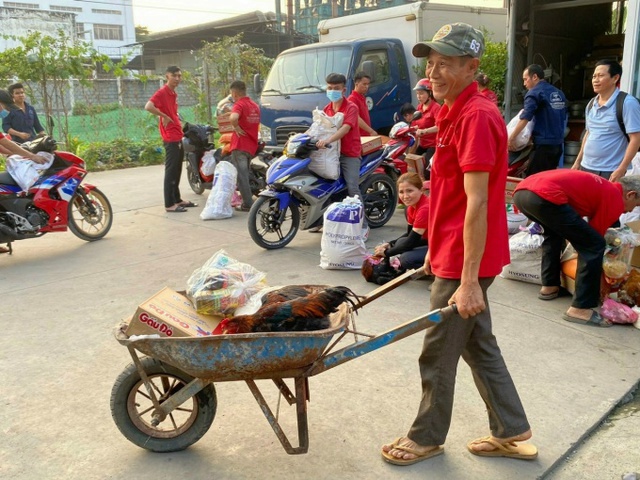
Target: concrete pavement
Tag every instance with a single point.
(58, 361)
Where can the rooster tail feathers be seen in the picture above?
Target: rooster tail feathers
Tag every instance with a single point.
(345, 294)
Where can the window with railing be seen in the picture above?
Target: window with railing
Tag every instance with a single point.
(63, 8)
(31, 6)
(103, 11)
(103, 31)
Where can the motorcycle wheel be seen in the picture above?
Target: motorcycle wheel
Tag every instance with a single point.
(132, 409)
(194, 180)
(87, 225)
(269, 226)
(380, 199)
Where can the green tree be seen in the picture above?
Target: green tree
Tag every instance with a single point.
(494, 64)
(222, 62)
(142, 33)
(52, 62)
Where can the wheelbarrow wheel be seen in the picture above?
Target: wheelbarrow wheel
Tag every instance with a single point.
(132, 408)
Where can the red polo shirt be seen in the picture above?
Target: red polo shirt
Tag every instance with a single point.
(428, 119)
(418, 216)
(472, 137)
(350, 145)
(1, 135)
(361, 102)
(249, 121)
(491, 95)
(590, 196)
(166, 100)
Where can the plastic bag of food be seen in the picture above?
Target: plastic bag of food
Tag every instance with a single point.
(620, 243)
(524, 137)
(223, 284)
(208, 166)
(616, 312)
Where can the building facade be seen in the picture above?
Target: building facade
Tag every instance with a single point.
(108, 25)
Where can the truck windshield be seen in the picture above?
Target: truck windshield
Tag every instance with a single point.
(305, 71)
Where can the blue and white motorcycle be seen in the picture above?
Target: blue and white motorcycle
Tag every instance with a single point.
(296, 198)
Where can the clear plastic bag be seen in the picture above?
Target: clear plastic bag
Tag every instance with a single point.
(208, 166)
(524, 137)
(223, 284)
(620, 243)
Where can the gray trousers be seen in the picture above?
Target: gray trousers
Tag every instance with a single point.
(240, 159)
(472, 339)
(350, 168)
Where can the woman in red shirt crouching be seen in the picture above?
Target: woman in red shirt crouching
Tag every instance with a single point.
(412, 246)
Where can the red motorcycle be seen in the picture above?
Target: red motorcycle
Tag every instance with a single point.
(56, 201)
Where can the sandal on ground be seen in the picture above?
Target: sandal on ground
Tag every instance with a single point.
(561, 292)
(4, 250)
(420, 456)
(596, 320)
(520, 451)
(176, 209)
(188, 204)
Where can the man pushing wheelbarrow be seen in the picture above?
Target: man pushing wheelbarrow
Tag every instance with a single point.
(468, 246)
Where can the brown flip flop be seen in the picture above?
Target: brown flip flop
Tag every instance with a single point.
(420, 456)
(520, 451)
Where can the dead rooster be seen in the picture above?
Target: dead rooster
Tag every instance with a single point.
(301, 313)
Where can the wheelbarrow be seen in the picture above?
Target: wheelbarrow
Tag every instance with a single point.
(166, 401)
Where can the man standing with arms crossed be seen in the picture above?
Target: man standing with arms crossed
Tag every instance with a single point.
(164, 105)
(606, 149)
(468, 246)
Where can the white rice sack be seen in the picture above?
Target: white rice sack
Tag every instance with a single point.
(526, 256)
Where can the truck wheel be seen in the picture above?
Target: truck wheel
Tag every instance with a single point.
(132, 409)
(380, 199)
(195, 182)
(270, 227)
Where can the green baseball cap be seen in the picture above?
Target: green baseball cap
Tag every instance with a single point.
(453, 40)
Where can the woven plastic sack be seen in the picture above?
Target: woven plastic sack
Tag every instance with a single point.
(26, 172)
(524, 137)
(223, 284)
(343, 236)
(526, 257)
(326, 161)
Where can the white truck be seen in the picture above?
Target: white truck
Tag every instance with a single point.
(378, 43)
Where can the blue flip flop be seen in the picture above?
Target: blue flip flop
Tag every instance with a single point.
(596, 320)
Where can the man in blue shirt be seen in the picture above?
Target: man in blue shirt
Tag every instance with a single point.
(606, 150)
(22, 123)
(547, 105)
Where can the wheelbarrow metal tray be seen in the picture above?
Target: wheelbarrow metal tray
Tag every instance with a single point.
(240, 356)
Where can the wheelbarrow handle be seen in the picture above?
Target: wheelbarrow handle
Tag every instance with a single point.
(387, 287)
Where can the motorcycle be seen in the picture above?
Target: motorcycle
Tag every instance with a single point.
(196, 142)
(296, 198)
(519, 162)
(55, 202)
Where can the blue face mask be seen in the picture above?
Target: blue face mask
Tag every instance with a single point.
(334, 95)
(4, 113)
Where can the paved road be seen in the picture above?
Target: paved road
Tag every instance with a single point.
(58, 361)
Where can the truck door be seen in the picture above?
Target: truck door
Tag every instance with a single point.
(389, 90)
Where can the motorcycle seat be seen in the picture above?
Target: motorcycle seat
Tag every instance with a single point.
(6, 179)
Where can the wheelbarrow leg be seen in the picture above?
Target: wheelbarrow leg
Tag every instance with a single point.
(301, 410)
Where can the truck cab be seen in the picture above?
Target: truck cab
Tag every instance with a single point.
(296, 84)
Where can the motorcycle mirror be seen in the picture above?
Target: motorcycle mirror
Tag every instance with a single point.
(257, 83)
(396, 117)
(416, 115)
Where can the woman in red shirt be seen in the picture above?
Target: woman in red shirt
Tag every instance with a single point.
(483, 87)
(412, 246)
(426, 124)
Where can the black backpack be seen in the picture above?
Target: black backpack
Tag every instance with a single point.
(619, 106)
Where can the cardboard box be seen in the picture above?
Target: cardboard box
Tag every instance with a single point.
(512, 183)
(371, 144)
(415, 164)
(224, 123)
(635, 256)
(568, 283)
(170, 314)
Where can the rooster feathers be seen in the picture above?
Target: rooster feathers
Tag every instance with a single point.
(293, 308)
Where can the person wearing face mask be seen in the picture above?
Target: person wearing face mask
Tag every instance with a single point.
(348, 133)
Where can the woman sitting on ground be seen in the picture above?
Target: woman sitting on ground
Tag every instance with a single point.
(412, 246)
